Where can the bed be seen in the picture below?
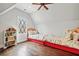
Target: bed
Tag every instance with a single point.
(66, 43)
(57, 42)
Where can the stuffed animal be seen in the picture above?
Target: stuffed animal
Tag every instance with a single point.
(73, 34)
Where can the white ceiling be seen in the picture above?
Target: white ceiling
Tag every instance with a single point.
(4, 6)
(30, 8)
(27, 7)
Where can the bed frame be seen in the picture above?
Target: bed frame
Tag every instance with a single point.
(53, 45)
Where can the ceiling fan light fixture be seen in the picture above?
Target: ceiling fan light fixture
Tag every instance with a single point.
(42, 5)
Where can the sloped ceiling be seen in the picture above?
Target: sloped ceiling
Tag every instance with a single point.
(4, 6)
(27, 7)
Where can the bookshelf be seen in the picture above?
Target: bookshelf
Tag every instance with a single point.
(10, 37)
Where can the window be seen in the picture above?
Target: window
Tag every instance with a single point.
(22, 25)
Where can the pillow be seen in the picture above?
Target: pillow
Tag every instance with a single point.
(32, 32)
(34, 36)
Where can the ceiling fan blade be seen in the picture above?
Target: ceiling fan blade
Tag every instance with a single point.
(36, 3)
(40, 7)
(46, 7)
(48, 3)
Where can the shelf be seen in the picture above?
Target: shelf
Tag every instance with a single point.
(10, 36)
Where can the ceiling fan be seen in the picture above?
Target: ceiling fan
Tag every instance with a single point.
(42, 5)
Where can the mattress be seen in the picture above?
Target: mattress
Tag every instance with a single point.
(71, 43)
(62, 41)
(55, 40)
(36, 36)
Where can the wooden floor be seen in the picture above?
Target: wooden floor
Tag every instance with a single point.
(33, 49)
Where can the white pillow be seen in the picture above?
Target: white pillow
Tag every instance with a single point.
(34, 36)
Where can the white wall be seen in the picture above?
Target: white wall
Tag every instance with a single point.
(10, 19)
(57, 19)
(4, 6)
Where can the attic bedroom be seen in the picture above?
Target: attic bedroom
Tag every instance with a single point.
(39, 29)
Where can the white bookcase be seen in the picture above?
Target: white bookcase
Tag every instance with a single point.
(9, 37)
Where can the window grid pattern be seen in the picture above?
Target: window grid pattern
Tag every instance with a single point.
(22, 26)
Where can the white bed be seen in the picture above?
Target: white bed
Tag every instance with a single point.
(53, 39)
(62, 41)
(36, 36)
